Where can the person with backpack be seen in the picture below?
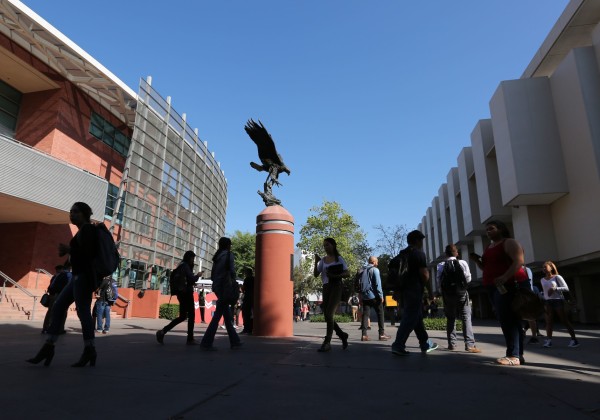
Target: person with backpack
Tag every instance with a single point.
(105, 298)
(182, 285)
(372, 297)
(82, 250)
(223, 278)
(411, 277)
(452, 277)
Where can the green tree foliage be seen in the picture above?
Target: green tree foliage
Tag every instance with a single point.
(243, 247)
(304, 281)
(330, 220)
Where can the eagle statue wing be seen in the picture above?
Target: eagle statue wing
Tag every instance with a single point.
(266, 147)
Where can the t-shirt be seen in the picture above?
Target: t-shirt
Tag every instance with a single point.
(416, 261)
(548, 284)
(322, 268)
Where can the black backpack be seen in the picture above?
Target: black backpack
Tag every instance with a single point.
(453, 280)
(398, 270)
(177, 280)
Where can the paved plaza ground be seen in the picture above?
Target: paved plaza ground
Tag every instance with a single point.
(286, 378)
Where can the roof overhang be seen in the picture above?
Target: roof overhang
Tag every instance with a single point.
(46, 43)
(573, 29)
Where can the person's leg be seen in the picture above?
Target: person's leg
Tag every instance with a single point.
(98, 311)
(234, 338)
(412, 308)
(380, 318)
(191, 315)
(211, 330)
(48, 317)
(335, 297)
(59, 312)
(464, 308)
(82, 292)
(366, 313)
(202, 314)
(549, 320)
(106, 317)
(182, 314)
(450, 308)
(328, 312)
(562, 315)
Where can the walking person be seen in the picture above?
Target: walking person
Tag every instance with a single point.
(82, 249)
(185, 297)
(452, 277)
(102, 306)
(57, 284)
(223, 267)
(372, 297)
(554, 285)
(416, 279)
(333, 269)
(248, 303)
(502, 265)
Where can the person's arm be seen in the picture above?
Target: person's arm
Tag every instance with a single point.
(515, 252)
(377, 277)
(476, 259)
(561, 284)
(466, 270)
(318, 266)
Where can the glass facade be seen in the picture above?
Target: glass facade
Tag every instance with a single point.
(109, 134)
(176, 196)
(10, 100)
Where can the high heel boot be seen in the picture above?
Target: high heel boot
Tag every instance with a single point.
(46, 353)
(89, 355)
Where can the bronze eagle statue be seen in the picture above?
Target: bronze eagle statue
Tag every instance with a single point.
(272, 163)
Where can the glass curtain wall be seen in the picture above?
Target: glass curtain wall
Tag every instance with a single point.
(176, 196)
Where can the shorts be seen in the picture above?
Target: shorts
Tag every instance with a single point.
(555, 303)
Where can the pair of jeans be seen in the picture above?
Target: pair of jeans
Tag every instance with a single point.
(78, 290)
(102, 311)
(223, 310)
(412, 320)
(458, 306)
(186, 311)
(510, 321)
(332, 294)
(366, 313)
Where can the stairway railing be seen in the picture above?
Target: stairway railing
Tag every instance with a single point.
(40, 270)
(20, 288)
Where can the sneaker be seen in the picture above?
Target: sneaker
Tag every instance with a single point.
(365, 338)
(573, 343)
(105, 332)
(547, 343)
(160, 336)
(473, 350)
(191, 342)
(384, 337)
(236, 346)
(399, 352)
(99, 331)
(432, 347)
(451, 347)
(533, 340)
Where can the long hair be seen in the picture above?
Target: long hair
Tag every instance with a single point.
(335, 250)
(553, 269)
(85, 210)
(501, 226)
(224, 245)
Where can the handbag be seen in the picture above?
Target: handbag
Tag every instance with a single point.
(527, 304)
(45, 300)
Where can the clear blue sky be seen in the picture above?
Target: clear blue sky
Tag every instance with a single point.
(369, 102)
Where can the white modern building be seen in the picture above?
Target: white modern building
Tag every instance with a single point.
(535, 164)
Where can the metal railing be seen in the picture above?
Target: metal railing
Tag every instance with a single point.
(127, 302)
(17, 286)
(40, 270)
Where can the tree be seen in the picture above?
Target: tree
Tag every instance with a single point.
(392, 239)
(330, 220)
(243, 247)
(305, 283)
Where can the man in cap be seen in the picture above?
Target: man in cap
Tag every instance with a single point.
(417, 277)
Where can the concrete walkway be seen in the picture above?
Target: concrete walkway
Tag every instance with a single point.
(287, 378)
